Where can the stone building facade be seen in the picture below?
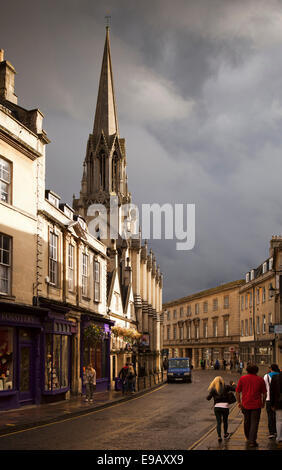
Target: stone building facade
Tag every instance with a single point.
(204, 325)
(58, 277)
(260, 310)
(53, 272)
(248, 324)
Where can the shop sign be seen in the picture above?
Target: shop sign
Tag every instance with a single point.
(278, 329)
(17, 318)
(145, 340)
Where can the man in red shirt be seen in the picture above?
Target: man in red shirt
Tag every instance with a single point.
(253, 391)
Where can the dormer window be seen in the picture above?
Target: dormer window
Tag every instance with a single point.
(68, 211)
(53, 198)
(264, 268)
(270, 264)
(252, 274)
(82, 223)
(248, 277)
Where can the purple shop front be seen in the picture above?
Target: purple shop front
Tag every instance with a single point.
(99, 357)
(20, 339)
(35, 355)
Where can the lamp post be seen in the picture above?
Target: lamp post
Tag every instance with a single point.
(275, 293)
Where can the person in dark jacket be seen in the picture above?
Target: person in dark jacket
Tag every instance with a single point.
(271, 416)
(218, 390)
(124, 379)
(276, 403)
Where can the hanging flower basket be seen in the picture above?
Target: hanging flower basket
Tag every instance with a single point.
(93, 335)
(127, 334)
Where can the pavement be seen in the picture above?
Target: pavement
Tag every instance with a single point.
(237, 440)
(12, 421)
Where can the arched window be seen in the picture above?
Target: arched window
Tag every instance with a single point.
(115, 172)
(102, 169)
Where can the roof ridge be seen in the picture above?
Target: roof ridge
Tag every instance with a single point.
(205, 292)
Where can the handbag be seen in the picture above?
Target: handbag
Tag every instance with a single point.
(231, 398)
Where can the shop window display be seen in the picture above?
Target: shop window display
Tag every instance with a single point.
(65, 362)
(56, 362)
(6, 358)
(98, 358)
(264, 355)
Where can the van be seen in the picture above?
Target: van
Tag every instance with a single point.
(179, 369)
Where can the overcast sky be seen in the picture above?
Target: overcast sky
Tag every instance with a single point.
(199, 96)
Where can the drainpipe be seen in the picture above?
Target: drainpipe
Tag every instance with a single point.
(64, 267)
(254, 325)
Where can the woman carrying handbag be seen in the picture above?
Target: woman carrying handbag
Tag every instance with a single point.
(223, 397)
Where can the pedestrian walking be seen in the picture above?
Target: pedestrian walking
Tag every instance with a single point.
(123, 376)
(131, 378)
(241, 367)
(251, 395)
(276, 403)
(90, 382)
(271, 415)
(220, 392)
(216, 366)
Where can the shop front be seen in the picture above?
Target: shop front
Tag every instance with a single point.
(97, 354)
(35, 355)
(261, 353)
(57, 354)
(20, 365)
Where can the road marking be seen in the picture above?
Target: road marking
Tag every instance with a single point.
(202, 438)
(82, 415)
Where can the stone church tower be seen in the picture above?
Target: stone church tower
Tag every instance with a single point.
(104, 173)
(132, 268)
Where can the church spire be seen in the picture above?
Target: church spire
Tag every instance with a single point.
(106, 114)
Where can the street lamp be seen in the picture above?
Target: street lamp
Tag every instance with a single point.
(272, 291)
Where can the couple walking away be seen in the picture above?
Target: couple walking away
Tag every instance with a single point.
(128, 378)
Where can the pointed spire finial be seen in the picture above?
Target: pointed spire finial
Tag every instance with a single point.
(106, 114)
(108, 21)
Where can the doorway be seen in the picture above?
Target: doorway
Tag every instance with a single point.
(26, 367)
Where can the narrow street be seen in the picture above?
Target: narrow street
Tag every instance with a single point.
(171, 417)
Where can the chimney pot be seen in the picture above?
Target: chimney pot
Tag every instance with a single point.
(1, 55)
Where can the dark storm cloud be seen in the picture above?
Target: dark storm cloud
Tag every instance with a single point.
(198, 88)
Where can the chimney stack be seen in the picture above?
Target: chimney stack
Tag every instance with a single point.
(7, 80)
